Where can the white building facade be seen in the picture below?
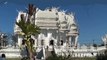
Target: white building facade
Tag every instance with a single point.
(57, 28)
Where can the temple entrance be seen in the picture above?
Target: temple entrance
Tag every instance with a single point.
(51, 42)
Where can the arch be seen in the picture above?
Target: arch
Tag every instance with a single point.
(23, 42)
(51, 42)
(3, 56)
(32, 41)
(61, 42)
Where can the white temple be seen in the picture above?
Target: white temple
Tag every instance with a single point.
(57, 28)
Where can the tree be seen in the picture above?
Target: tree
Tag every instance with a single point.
(28, 29)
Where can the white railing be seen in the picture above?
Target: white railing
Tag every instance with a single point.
(92, 52)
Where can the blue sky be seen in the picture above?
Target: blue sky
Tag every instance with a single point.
(91, 15)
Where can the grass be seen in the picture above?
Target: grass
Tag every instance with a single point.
(13, 58)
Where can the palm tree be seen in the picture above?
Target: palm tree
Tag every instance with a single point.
(28, 29)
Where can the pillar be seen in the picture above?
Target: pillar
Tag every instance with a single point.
(19, 41)
(76, 40)
(69, 41)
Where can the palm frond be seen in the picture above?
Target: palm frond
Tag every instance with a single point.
(28, 28)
